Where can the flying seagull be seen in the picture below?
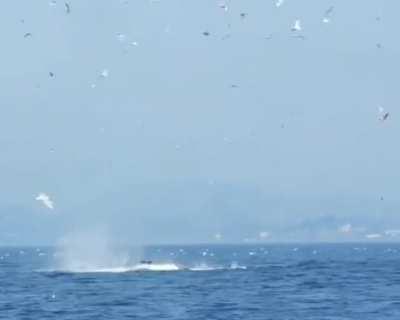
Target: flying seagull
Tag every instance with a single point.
(218, 236)
(296, 26)
(223, 6)
(45, 199)
(104, 73)
(327, 15)
(121, 37)
(67, 8)
(383, 115)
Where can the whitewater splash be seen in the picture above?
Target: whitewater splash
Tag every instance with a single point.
(93, 252)
(144, 267)
(204, 267)
(159, 267)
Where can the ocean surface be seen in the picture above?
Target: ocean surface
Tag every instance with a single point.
(346, 281)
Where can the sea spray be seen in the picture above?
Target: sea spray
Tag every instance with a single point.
(91, 250)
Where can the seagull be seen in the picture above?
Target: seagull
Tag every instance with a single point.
(218, 236)
(28, 34)
(327, 15)
(223, 6)
(383, 114)
(67, 7)
(121, 37)
(346, 228)
(278, 3)
(104, 73)
(45, 199)
(296, 26)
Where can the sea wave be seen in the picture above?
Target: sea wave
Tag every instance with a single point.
(206, 267)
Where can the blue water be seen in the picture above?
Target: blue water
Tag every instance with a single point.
(354, 281)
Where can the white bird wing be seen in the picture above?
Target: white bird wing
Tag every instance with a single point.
(296, 26)
(45, 199)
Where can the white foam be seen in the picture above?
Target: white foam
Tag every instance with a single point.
(236, 266)
(157, 267)
(204, 267)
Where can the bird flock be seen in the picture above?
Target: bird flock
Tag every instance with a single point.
(296, 29)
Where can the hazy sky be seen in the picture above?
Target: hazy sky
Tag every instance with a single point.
(165, 150)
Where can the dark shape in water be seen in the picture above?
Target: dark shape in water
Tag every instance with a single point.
(51, 74)
(206, 33)
(146, 262)
(28, 34)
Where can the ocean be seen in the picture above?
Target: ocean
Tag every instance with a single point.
(290, 281)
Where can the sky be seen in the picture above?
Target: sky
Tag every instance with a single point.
(163, 134)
